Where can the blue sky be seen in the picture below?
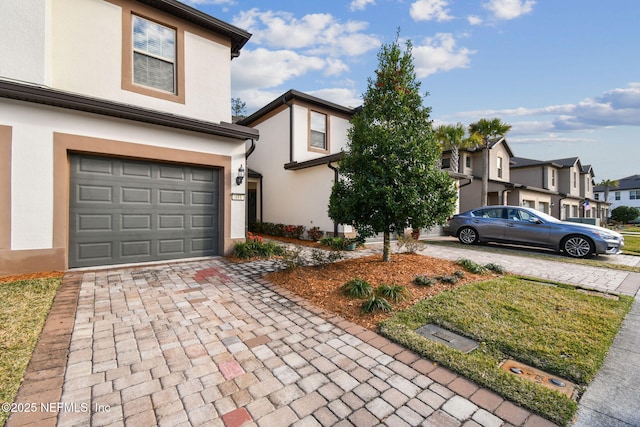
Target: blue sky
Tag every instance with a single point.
(564, 73)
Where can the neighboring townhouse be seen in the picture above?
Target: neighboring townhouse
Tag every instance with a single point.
(626, 193)
(561, 187)
(293, 168)
(115, 141)
(471, 166)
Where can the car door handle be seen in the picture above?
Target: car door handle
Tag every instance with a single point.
(510, 224)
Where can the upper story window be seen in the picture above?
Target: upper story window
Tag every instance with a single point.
(575, 180)
(445, 163)
(318, 135)
(467, 161)
(634, 195)
(499, 167)
(617, 195)
(153, 61)
(553, 177)
(154, 55)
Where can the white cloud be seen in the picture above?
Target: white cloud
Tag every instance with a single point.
(615, 107)
(341, 96)
(509, 9)
(262, 68)
(318, 32)
(428, 10)
(360, 4)
(474, 20)
(335, 67)
(439, 53)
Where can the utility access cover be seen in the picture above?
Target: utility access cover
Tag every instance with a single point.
(436, 333)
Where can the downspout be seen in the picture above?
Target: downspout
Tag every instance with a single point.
(562, 197)
(291, 128)
(335, 178)
(246, 160)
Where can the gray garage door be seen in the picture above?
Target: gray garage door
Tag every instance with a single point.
(124, 211)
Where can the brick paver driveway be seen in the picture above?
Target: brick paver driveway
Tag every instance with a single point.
(211, 343)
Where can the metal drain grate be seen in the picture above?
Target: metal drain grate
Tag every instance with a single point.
(443, 336)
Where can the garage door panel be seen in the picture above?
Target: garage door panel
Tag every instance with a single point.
(130, 222)
(172, 172)
(94, 193)
(135, 195)
(202, 198)
(171, 246)
(203, 175)
(89, 222)
(171, 197)
(202, 244)
(171, 222)
(94, 165)
(95, 252)
(135, 248)
(133, 211)
(136, 170)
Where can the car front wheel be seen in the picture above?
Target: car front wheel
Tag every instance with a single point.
(577, 246)
(468, 236)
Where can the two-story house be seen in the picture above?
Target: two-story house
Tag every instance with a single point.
(626, 193)
(561, 187)
(293, 168)
(115, 141)
(471, 165)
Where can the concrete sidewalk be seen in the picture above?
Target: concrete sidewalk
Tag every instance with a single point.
(209, 342)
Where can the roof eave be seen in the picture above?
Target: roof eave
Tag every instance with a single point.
(72, 101)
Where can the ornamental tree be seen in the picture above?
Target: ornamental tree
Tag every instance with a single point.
(390, 176)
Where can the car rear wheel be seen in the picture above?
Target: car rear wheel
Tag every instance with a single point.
(468, 236)
(577, 246)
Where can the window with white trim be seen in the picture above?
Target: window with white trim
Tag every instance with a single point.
(499, 167)
(154, 55)
(634, 195)
(318, 131)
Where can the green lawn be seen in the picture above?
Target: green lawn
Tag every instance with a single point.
(24, 306)
(556, 329)
(631, 245)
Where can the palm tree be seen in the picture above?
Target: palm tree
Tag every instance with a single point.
(488, 131)
(607, 184)
(451, 137)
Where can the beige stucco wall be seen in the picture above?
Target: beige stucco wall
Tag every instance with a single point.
(24, 31)
(37, 216)
(296, 197)
(77, 46)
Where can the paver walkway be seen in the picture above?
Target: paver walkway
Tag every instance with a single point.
(211, 343)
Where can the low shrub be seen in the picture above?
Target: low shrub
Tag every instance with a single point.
(424, 280)
(451, 280)
(254, 248)
(375, 304)
(315, 234)
(459, 274)
(471, 266)
(357, 288)
(495, 268)
(293, 231)
(321, 258)
(409, 243)
(394, 293)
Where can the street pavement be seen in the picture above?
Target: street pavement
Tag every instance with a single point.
(210, 342)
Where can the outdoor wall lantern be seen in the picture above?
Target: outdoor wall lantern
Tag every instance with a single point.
(240, 176)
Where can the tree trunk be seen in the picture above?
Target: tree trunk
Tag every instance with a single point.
(485, 174)
(386, 247)
(455, 159)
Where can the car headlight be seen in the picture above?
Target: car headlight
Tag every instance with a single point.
(606, 235)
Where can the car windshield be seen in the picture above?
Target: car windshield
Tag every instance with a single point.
(544, 217)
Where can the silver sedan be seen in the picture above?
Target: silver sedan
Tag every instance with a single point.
(529, 227)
